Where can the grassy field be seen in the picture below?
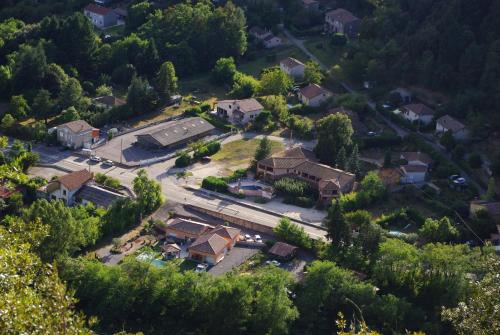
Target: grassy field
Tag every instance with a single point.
(324, 50)
(267, 58)
(241, 152)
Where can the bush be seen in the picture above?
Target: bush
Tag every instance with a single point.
(107, 181)
(289, 187)
(205, 107)
(193, 111)
(214, 184)
(339, 39)
(183, 160)
(292, 233)
(208, 149)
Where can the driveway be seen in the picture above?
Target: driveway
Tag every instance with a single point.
(237, 256)
(300, 44)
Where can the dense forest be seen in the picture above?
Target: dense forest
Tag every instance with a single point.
(448, 46)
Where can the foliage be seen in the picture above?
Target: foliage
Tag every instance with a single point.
(475, 161)
(214, 184)
(441, 230)
(245, 86)
(292, 188)
(302, 127)
(277, 105)
(183, 160)
(264, 122)
(490, 190)
(447, 140)
(274, 81)
(264, 149)
(339, 230)
(371, 190)
(312, 73)
(224, 71)
(137, 294)
(34, 300)
(207, 149)
(334, 132)
(141, 98)
(148, 192)
(106, 180)
(352, 101)
(292, 233)
(166, 81)
(479, 313)
(19, 108)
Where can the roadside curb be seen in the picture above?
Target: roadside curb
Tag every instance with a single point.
(244, 204)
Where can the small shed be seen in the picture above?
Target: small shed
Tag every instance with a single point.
(283, 251)
(171, 250)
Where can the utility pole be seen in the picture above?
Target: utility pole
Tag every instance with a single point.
(121, 150)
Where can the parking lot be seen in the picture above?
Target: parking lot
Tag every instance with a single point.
(131, 153)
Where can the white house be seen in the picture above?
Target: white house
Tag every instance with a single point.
(447, 123)
(239, 111)
(292, 67)
(313, 95)
(271, 41)
(412, 174)
(417, 112)
(101, 17)
(77, 134)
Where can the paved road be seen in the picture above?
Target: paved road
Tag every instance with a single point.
(164, 174)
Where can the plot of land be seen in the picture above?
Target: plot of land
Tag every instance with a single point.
(241, 152)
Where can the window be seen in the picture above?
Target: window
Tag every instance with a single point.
(64, 192)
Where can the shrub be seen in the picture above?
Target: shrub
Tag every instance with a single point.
(339, 39)
(183, 160)
(292, 188)
(107, 181)
(214, 184)
(292, 233)
(205, 107)
(193, 111)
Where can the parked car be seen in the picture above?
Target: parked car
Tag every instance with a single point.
(371, 133)
(258, 239)
(460, 181)
(108, 163)
(205, 159)
(453, 177)
(96, 159)
(275, 263)
(201, 267)
(248, 237)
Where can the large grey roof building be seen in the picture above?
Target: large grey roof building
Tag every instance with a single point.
(176, 133)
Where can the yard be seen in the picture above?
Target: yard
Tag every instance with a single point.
(241, 152)
(268, 58)
(322, 48)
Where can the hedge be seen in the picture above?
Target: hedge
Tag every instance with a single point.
(214, 184)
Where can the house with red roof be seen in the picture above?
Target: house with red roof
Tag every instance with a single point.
(417, 113)
(211, 247)
(101, 17)
(313, 95)
(239, 111)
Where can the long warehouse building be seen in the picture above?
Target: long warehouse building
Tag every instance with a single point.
(176, 133)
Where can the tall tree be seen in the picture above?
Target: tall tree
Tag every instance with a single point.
(339, 231)
(312, 73)
(341, 161)
(72, 95)
(224, 71)
(334, 132)
(43, 105)
(29, 68)
(166, 81)
(353, 164)
(148, 191)
(264, 149)
(141, 98)
(19, 107)
(275, 82)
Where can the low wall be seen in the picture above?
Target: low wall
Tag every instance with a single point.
(236, 220)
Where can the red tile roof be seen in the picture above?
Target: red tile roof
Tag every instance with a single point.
(226, 232)
(450, 123)
(212, 244)
(312, 90)
(92, 7)
(75, 180)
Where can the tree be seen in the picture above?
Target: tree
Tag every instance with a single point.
(490, 191)
(72, 95)
(141, 98)
(312, 73)
(277, 105)
(148, 191)
(7, 122)
(245, 86)
(447, 140)
(19, 107)
(353, 164)
(4, 142)
(224, 71)
(479, 313)
(341, 161)
(137, 15)
(372, 186)
(274, 81)
(166, 81)
(263, 151)
(292, 233)
(43, 105)
(339, 231)
(334, 132)
(29, 68)
(69, 114)
(65, 234)
(441, 230)
(388, 159)
(34, 300)
(103, 90)
(495, 165)
(458, 152)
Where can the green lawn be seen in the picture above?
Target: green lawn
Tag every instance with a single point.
(241, 152)
(253, 67)
(324, 50)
